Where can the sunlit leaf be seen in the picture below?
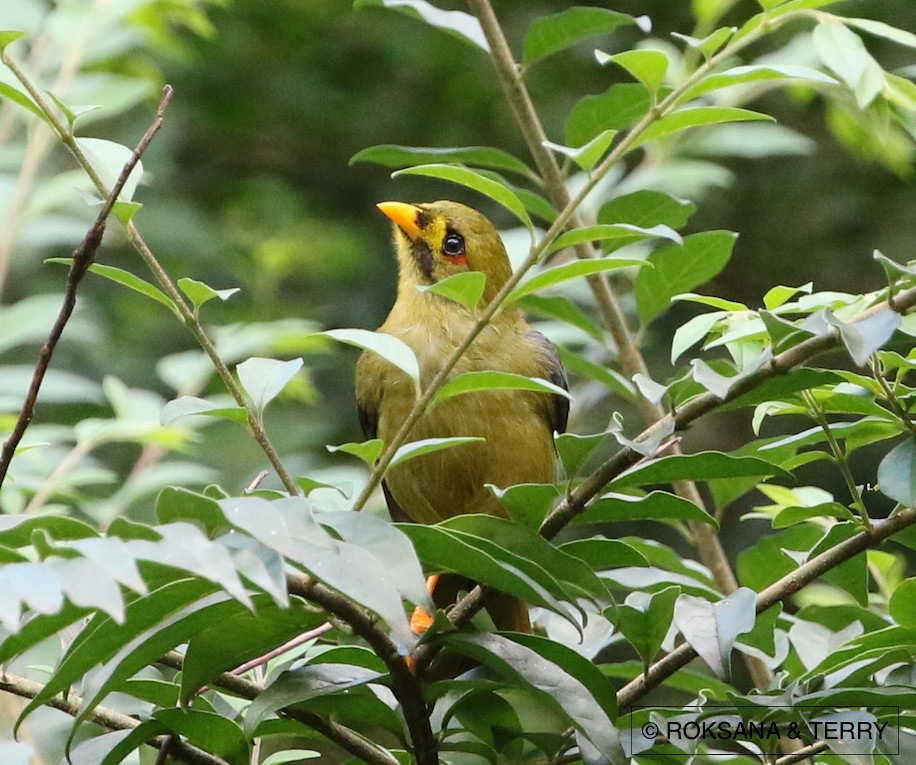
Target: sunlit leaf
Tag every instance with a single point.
(199, 293)
(465, 288)
(475, 382)
(571, 270)
(458, 23)
(391, 155)
(547, 35)
(712, 628)
(263, 379)
(624, 231)
(696, 116)
(390, 348)
(414, 449)
(126, 279)
(897, 473)
(472, 179)
(646, 65)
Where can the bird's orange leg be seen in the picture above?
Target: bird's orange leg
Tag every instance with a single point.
(421, 620)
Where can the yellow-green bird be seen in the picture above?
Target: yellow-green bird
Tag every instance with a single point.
(434, 241)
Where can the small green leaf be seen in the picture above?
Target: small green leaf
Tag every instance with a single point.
(12, 93)
(263, 379)
(618, 108)
(125, 211)
(527, 503)
(605, 554)
(391, 155)
(711, 43)
(571, 270)
(696, 116)
(550, 34)
(865, 336)
(563, 309)
(210, 731)
(186, 406)
(465, 288)
(474, 382)
(844, 54)
(390, 348)
(702, 466)
(897, 473)
(428, 446)
(367, 451)
(646, 65)
(126, 279)
(712, 628)
(742, 75)
(644, 620)
(586, 156)
(457, 23)
(291, 755)
(880, 29)
(680, 268)
(574, 450)
(472, 179)
(199, 293)
(903, 604)
(647, 208)
(108, 159)
(655, 506)
(8, 36)
(624, 231)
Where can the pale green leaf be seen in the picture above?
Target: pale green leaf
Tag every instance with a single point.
(126, 279)
(199, 293)
(390, 348)
(367, 451)
(474, 382)
(472, 179)
(263, 379)
(571, 270)
(465, 288)
(108, 159)
(845, 54)
(586, 156)
(428, 446)
(457, 23)
(185, 406)
(392, 155)
(696, 116)
(646, 65)
(610, 231)
(897, 473)
(550, 34)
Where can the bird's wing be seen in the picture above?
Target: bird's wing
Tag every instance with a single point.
(555, 373)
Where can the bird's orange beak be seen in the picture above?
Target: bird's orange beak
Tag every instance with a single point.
(404, 215)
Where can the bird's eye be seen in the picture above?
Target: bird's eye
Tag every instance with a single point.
(453, 245)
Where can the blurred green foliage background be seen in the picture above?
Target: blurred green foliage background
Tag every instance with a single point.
(249, 185)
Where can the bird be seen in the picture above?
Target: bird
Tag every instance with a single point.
(433, 241)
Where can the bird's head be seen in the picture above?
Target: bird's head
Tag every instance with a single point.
(438, 239)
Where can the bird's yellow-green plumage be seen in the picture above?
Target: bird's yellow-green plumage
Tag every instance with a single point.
(434, 241)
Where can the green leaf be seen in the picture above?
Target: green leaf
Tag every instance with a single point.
(655, 506)
(390, 348)
(17, 96)
(291, 755)
(464, 288)
(604, 554)
(618, 108)
(880, 29)
(428, 446)
(571, 270)
(647, 208)
(391, 155)
(712, 628)
(897, 473)
(529, 544)
(209, 731)
(711, 43)
(571, 682)
(903, 604)
(702, 466)
(472, 179)
(126, 279)
(527, 503)
(574, 450)
(644, 620)
(108, 159)
(563, 309)
(474, 382)
(865, 336)
(646, 65)
(9, 36)
(695, 116)
(457, 23)
(368, 451)
(186, 406)
(609, 378)
(777, 296)
(263, 379)
(547, 35)
(680, 268)
(742, 75)
(199, 293)
(844, 54)
(625, 231)
(239, 638)
(586, 156)
(450, 550)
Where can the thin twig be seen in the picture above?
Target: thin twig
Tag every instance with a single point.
(168, 286)
(775, 593)
(105, 717)
(83, 257)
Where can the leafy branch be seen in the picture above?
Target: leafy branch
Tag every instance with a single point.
(83, 257)
(187, 315)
